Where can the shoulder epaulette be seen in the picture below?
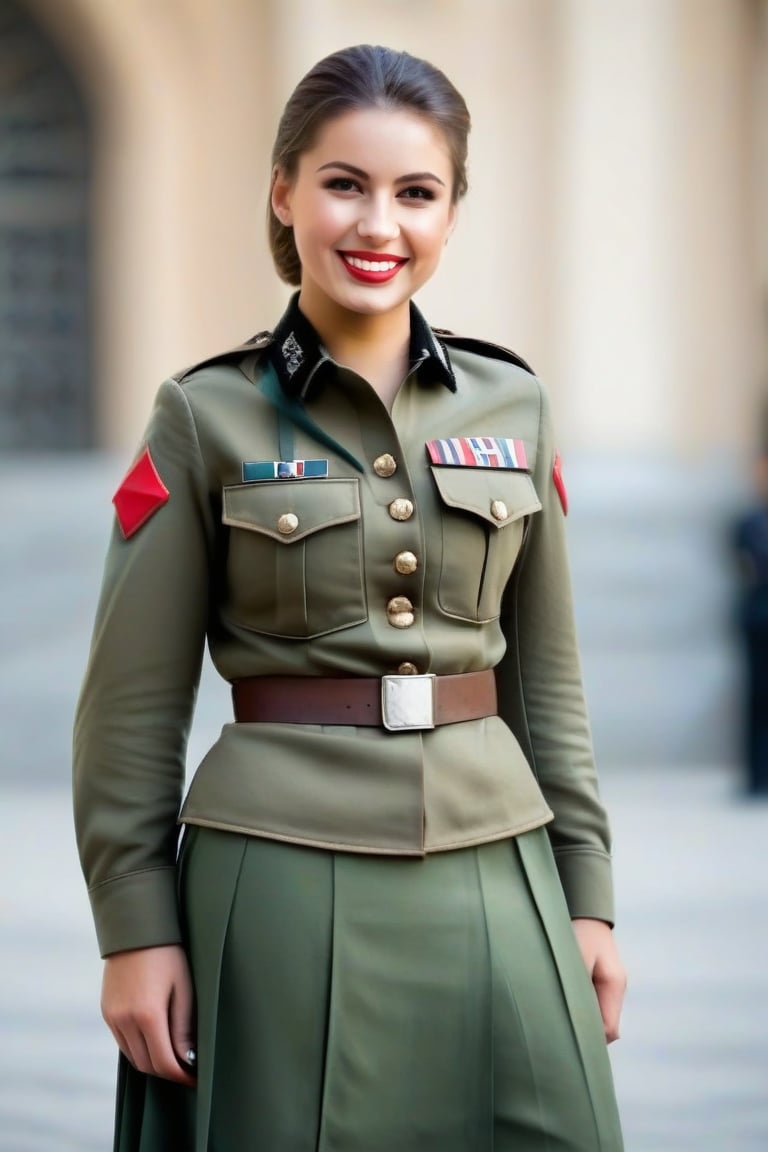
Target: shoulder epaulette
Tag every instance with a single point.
(482, 348)
(255, 344)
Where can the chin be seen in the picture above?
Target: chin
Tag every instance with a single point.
(373, 302)
(372, 307)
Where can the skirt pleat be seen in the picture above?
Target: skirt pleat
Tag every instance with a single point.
(350, 1003)
(408, 1052)
(553, 1083)
(214, 880)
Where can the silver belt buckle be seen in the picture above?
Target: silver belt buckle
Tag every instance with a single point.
(407, 702)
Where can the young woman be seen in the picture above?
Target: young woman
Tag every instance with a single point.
(389, 923)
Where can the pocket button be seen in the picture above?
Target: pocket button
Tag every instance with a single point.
(287, 523)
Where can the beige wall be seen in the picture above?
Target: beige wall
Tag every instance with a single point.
(656, 269)
(615, 232)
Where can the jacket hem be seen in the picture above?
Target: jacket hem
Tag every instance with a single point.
(371, 849)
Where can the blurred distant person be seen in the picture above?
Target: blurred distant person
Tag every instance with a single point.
(751, 541)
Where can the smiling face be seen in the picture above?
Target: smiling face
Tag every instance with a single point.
(371, 207)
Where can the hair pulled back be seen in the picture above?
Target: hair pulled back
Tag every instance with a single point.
(364, 76)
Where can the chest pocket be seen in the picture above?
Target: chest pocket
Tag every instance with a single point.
(294, 561)
(484, 512)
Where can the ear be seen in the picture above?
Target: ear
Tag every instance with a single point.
(282, 189)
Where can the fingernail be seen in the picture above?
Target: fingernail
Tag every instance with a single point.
(190, 1056)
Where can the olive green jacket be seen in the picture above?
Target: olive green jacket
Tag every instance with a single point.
(212, 562)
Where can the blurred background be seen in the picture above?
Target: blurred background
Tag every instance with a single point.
(615, 235)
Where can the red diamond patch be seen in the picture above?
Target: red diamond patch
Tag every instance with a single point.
(557, 476)
(140, 495)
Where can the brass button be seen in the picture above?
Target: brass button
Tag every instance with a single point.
(401, 509)
(385, 465)
(287, 523)
(400, 612)
(499, 510)
(399, 604)
(405, 563)
(407, 669)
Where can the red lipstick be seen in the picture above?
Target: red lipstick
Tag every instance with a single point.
(371, 267)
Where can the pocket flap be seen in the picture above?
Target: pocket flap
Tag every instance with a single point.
(313, 505)
(497, 495)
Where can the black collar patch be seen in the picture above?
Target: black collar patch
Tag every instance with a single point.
(299, 358)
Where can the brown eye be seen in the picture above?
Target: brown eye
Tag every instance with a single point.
(342, 184)
(417, 192)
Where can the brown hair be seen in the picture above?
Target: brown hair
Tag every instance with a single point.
(362, 77)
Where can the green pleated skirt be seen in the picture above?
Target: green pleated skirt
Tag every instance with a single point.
(350, 1003)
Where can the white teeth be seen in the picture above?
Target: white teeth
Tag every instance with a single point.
(372, 265)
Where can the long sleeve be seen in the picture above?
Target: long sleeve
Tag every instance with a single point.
(542, 698)
(136, 703)
(210, 561)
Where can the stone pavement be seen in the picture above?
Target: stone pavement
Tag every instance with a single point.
(691, 865)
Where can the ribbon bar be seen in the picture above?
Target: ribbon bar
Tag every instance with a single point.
(254, 470)
(479, 452)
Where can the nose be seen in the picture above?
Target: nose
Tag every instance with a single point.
(377, 222)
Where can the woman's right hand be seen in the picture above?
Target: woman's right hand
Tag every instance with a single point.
(147, 1001)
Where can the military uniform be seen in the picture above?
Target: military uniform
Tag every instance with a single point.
(380, 945)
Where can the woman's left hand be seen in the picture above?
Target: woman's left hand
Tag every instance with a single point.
(606, 971)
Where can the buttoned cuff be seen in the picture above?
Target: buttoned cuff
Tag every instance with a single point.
(139, 910)
(587, 883)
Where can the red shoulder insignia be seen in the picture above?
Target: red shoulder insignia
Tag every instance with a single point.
(557, 476)
(140, 495)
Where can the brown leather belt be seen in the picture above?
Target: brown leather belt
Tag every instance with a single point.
(398, 703)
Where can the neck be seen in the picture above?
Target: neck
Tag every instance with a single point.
(376, 347)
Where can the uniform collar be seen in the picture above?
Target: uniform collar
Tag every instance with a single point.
(300, 359)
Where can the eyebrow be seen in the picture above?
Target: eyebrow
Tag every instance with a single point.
(353, 171)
